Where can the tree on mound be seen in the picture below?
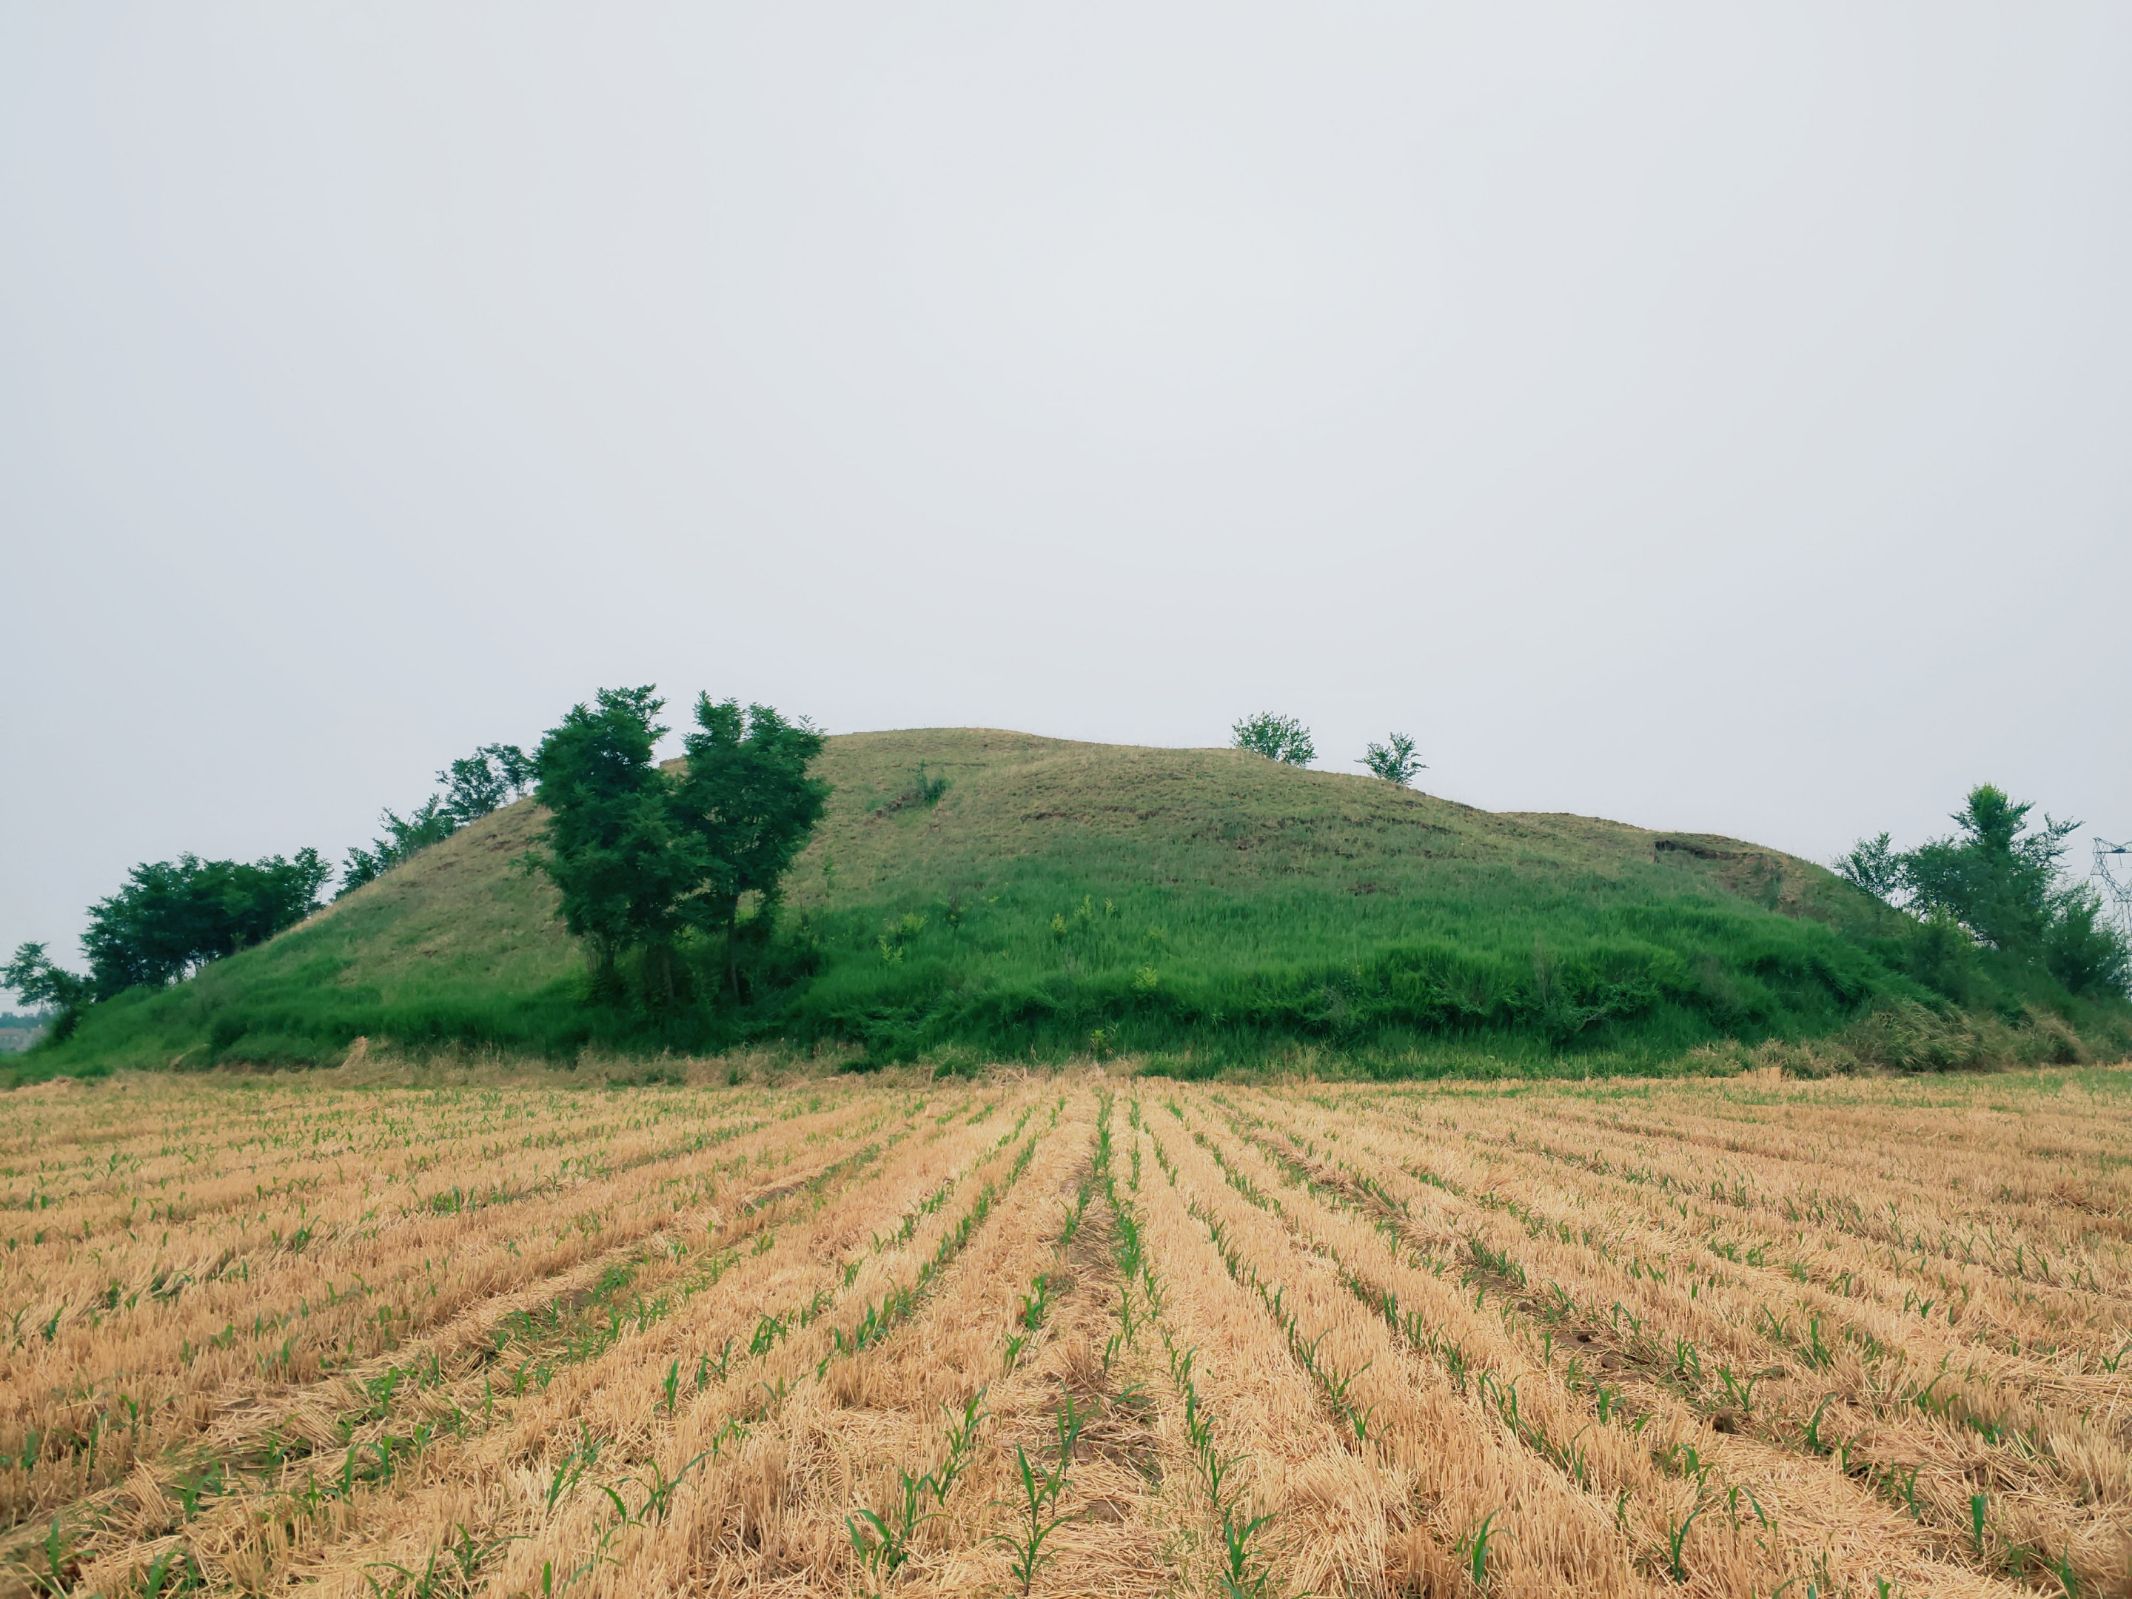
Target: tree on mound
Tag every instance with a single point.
(172, 917)
(428, 823)
(485, 781)
(747, 803)
(611, 848)
(641, 859)
(1395, 761)
(1278, 738)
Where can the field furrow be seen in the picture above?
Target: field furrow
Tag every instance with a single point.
(603, 1397)
(1615, 1409)
(392, 1293)
(341, 1471)
(1077, 1334)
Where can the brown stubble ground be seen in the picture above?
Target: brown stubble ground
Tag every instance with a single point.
(1717, 1338)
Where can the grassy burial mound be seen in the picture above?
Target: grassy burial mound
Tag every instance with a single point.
(974, 895)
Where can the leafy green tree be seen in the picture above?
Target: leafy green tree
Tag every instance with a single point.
(472, 788)
(360, 866)
(746, 800)
(1278, 738)
(642, 859)
(147, 933)
(1943, 956)
(1996, 882)
(1394, 760)
(610, 846)
(1875, 865)
(515, 767)
(269, 895)
(491, 777)
(2081, 947)
(1992, 874)
(431, 822)
(170, 918)
(37, 981)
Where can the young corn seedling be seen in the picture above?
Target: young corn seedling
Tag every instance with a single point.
(172, 1572)
(58, 1555)
(883, 1543)
(707, 1367)
(659, 1488)
(569, 1469)
(962, 1438)
(1813, 1427)
(1238, 1580)
(1336, 1387)
(1687, 1362)
(1818, 1354)
(1040, 1498)
(1074, 1217)
(1677, 1538)
(1474, 1547)
(468, 1553)
(1217, 1469)
(1740, 1389)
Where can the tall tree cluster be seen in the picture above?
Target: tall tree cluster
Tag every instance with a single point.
(2001, 882)
(649, 864)
(173, 917)
(170, 918)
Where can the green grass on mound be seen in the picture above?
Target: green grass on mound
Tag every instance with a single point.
(1196, 907)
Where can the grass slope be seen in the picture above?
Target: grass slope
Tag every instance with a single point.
(1197, 906)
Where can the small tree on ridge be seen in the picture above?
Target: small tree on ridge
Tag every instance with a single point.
(1394, 761)
(1875, 865)
(1278, 738)
(477, 784)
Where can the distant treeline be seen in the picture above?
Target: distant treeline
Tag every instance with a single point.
(171, 918)
(168, 920)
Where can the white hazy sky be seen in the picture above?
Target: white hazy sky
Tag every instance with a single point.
(1712, 417)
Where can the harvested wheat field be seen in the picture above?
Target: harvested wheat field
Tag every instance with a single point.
(1069, 1335)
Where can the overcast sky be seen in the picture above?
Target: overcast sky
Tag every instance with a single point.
(1711, 417)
